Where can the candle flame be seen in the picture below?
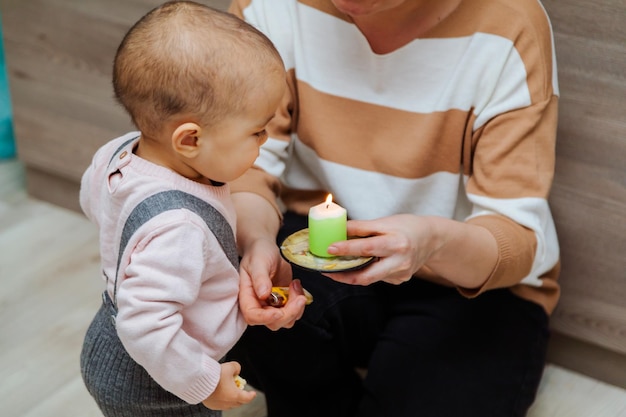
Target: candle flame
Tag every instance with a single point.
(329, 199)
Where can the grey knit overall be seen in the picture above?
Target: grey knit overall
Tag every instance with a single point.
(120, 386)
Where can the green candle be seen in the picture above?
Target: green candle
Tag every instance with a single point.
(327, 225)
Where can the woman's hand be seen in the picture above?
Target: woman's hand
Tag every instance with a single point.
(227, 394)
(458, 253)
(401, 243)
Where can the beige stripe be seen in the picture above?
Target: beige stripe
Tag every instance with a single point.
(237, 7)
(514, 262)
(376, 138)
(514, 153)
(300, 201)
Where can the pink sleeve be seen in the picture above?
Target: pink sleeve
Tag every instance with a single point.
(163, 279)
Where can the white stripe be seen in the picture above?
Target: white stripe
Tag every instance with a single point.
(428, 74)
(276, 19)
(272, 156)
(369, 195)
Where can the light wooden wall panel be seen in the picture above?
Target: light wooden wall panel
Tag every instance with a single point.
(589, 193)
(59, 58)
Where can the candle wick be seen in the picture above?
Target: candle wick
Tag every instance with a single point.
(327, 205)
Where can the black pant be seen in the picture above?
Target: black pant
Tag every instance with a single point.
(429, 352)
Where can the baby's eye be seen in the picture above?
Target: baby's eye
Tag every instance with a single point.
(261, 133)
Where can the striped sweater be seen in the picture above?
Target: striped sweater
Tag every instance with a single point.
(459, 123)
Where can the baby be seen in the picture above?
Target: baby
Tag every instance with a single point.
(201, 86)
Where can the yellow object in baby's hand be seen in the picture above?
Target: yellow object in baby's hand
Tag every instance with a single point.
(240, 382)
(279, 296)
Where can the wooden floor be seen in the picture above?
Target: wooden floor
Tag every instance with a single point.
(50, 290)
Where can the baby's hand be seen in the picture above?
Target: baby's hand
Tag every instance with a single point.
(229, 392)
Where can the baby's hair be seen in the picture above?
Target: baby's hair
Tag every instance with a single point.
(185, 58)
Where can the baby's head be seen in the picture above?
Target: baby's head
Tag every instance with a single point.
(186, 65)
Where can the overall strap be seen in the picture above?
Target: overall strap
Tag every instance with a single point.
(173, 200)
(122, 146)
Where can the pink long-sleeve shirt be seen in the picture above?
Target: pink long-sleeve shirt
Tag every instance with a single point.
(177, 291)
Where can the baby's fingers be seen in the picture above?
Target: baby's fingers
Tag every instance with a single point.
(245, 396)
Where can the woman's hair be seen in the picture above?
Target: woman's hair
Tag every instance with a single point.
(187, 58)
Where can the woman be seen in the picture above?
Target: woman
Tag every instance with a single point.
(433, 122)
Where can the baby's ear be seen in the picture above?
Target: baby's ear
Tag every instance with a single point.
(185, 139)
